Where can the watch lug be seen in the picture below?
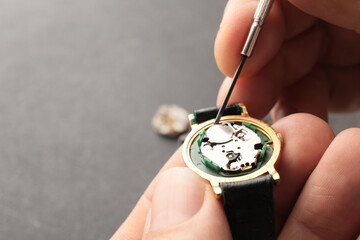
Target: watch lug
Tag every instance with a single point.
(217, 189)
(244, 110)
(275, 175)
(192, 120)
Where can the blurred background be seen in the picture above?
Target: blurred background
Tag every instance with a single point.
(79, 83)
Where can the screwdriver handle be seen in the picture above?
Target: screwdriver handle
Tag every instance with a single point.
(261, 13)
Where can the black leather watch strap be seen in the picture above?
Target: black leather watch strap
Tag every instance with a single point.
(249, 207)
(205, 114)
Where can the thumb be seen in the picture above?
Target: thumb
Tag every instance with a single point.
(185, 207)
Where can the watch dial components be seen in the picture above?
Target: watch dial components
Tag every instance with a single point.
(231, 147)
(170, 120)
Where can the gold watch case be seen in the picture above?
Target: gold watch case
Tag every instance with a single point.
(275, 140)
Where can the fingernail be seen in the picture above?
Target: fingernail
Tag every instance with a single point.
(147, 222)
(178, 195)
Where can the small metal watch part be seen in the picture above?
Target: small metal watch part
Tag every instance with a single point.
(231, 146)
(220, 133)
(170, 120)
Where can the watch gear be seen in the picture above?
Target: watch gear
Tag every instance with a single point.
(170, 120)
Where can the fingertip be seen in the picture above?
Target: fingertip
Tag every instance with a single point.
(305, 126)
(233, 32)
(327, 207)
(181, 201)
(301, 131)
(259, 92)
(350, 136)
(306, 138)
(178, 196)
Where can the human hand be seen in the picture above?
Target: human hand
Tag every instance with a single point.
(318, 197)
(307, 58)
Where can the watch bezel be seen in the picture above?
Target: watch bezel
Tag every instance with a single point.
(262, 126)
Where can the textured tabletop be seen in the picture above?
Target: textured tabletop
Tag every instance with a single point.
(79, 83)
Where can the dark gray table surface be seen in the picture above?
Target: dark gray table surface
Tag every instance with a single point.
(79, 83)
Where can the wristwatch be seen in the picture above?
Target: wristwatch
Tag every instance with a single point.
(237, 156)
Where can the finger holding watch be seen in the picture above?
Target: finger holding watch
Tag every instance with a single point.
(295, 167)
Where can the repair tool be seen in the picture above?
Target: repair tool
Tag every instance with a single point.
(262, 11)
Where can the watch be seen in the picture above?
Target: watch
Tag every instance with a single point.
(237, 156)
